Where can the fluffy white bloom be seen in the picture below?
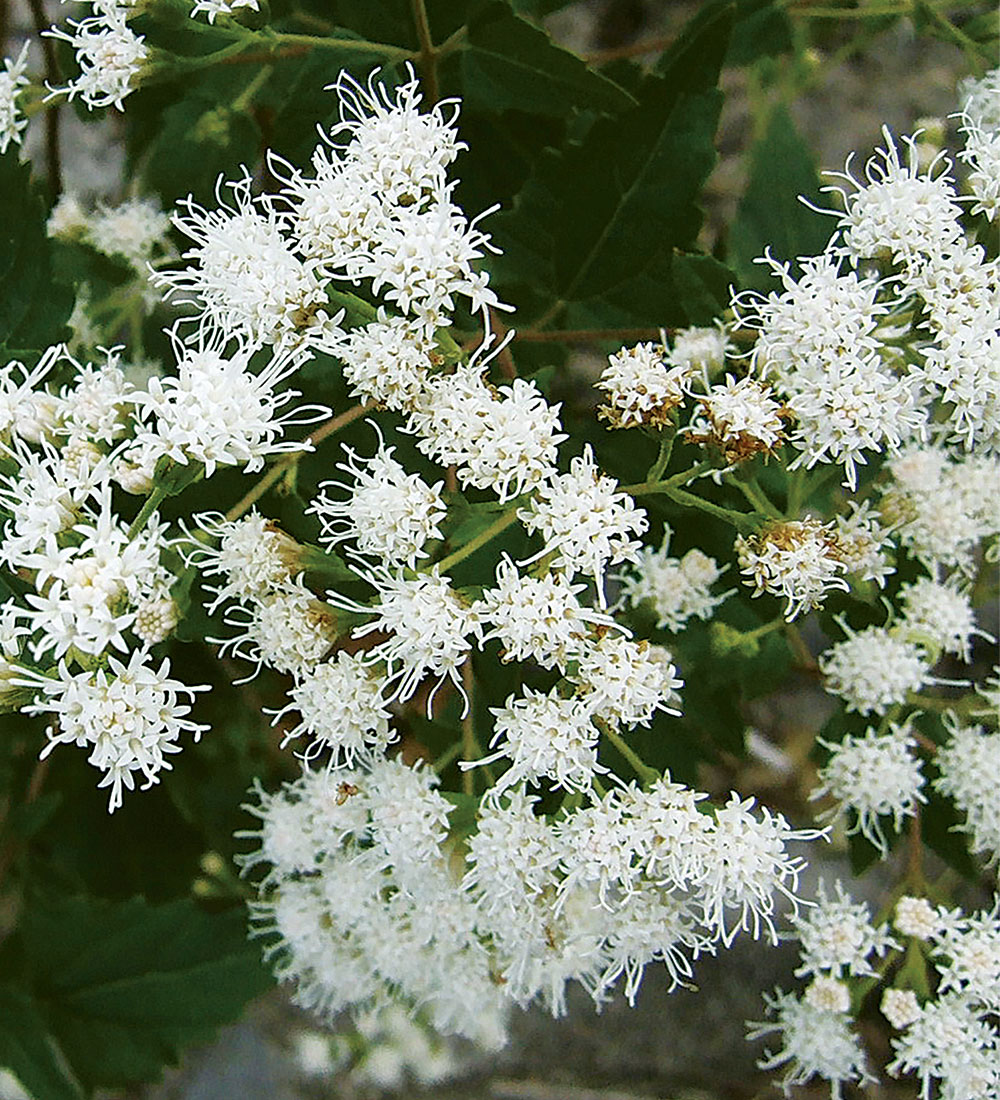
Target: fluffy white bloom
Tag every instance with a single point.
(700, 349)
(967, 955)
(875, 775)
(901, 209)
(872, 670)
(794, 559)
(389, 514)
(156, 617)
(967, 763)
(677, 589)
(67, 220)
(287, 629)
(862, 542)
(948, 1042)
(816, 1043)
(828, 994)
(814, 322)
(110, 54)
(544, 735)
(585, 522)
(938, 616)
(21, 412)
(340, 709)
(503, 440)
(980, 99)
(253, 557)
(128, 715)
(900, 1007)
(915, 916)
(214, 8)
(982, 155)
(837, 937)
(740, 418)
(626, 681)
(134, 229)
(98, 403)
(243, 277)
(218, 411)
(746, 865)
(388, 361)
(642, 387)
(428, 626)
(12, 80)
(537, 618)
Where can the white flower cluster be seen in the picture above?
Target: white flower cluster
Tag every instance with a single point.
(949, 1040)
(967, 765)
(365, 900)
(135, 230)
(12, 80)
(110, 55)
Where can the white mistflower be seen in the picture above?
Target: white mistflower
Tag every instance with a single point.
(861, 543)
(872, 670)
(287, 629)
(409, 817)
(67, 219)
(389, 513)
(642, 387)
(815, 1043)
(97, 405)
(544, 736)
(967, 955)
(253, 558)
(128, 715)
(585, 522)
(900, 1007)
(828, 995)
(678, 589)
(627, 682)
(504, 440)
(387, 361)
(216, 410)
(916, 916)
(796, 560)
(901, 210)
(671, 835)
(816, 321)
(340, 710)
(110, 55)
(982, 155)
(939, 617)
(738, 418)
(243, 277)
(12, 80)
(837, 937)
(19, 399)
(133, 230)
(967, 763)
(980, 99)
(948, 1042)
(875, 775)
(537, 618)
(700, 349)
(428, 627)
(215, 8)
(155, 619)
(746, 865)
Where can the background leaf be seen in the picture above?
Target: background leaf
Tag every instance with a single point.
(29, 1052)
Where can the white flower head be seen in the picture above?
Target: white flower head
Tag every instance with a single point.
(875, 775)
(873, 669)
(135, 229)
(626, 681)
(837, 936)
(940, 617)
(584, 520)
(967, 763)
(642, 387)
(739, 418)
(214, 8)
(111, 57)
(12, 80)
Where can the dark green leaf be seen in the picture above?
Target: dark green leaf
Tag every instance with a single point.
(33, 306)
(29, 1052)
(511, 65)
(781, 169)
(126, 985)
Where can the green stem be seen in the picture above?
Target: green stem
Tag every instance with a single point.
(481, 539)
(641, 768)
(242, 102)
(356, 45)
(756, 497)
(663, 458)
(449, 756)
(153, 501)
(428, 57)
(646, 488)
(744, 522)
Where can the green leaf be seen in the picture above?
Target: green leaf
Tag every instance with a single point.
(126, 985)
(604, 210)
(29, 1052)
(33, 305)
(511, 65)
(781, 169)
